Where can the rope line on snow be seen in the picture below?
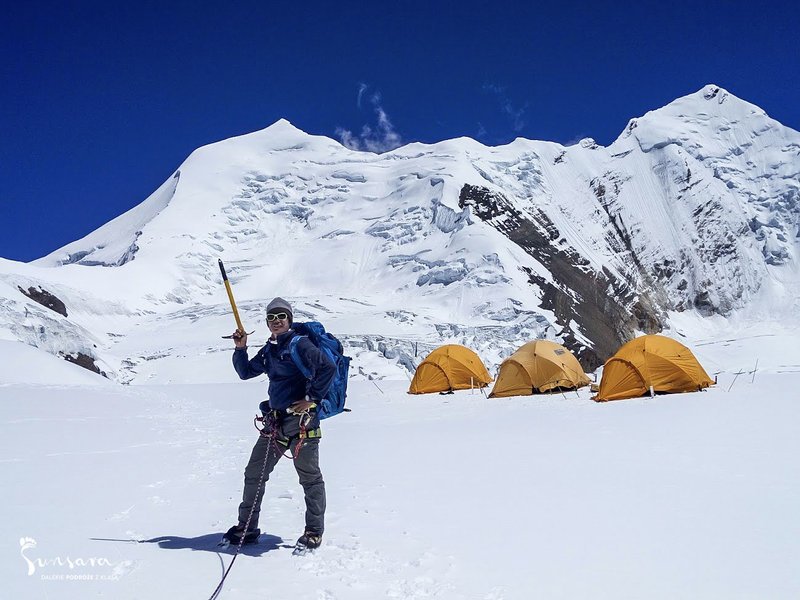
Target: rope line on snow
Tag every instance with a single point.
(305, 417)
(218, 589)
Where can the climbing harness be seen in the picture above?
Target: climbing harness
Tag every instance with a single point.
(269, 428)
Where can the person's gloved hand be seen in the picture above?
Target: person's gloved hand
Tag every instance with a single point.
(301, 406)
(240, 339)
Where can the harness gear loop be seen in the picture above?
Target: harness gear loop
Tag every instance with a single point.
(305, 418)
(264, 430)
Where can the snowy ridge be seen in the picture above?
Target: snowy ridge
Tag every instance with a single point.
(693, 211)
(104, 246)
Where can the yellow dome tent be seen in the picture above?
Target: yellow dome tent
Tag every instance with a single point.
(536, 367)
(450, 367)
(651, 360)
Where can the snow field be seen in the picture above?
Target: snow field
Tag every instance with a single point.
(682, 496)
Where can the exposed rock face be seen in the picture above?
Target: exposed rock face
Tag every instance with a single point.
(85, 361)
(46, 299)
(606, 309)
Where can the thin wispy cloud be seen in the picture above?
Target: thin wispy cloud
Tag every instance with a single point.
(362, 87)
(516, 115)
(377, 137)
(575, 139)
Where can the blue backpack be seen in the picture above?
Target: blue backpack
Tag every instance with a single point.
(333, 403)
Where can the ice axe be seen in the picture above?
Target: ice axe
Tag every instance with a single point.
(239, 326)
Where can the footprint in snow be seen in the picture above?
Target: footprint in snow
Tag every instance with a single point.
(419, 587)
(497, 593)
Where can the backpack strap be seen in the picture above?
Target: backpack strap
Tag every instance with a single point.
(295, 354)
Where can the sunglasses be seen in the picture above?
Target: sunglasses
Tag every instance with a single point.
(279, 316)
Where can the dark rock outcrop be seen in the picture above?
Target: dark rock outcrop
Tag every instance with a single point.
(85, 361)
(607, 310)
(46, 299)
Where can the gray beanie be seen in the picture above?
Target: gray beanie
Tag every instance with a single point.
(278, 305)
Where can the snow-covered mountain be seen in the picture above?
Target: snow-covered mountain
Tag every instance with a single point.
(691, 216)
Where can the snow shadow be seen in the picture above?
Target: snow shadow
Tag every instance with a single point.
(209, 543)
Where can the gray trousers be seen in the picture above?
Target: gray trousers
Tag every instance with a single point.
(306, 463)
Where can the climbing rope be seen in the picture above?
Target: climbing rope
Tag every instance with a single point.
(270, 431)
(218, 589)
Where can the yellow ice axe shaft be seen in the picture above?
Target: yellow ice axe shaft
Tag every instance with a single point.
(239, 325)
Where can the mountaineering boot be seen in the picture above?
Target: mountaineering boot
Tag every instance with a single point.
(234, 535)
(310, 540)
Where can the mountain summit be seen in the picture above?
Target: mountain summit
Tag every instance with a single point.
(693, 210)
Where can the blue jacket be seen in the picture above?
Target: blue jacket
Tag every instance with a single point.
(287, 384)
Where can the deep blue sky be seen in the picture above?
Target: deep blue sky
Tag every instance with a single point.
(100, 103)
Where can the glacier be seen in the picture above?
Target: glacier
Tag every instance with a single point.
(690, 217)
